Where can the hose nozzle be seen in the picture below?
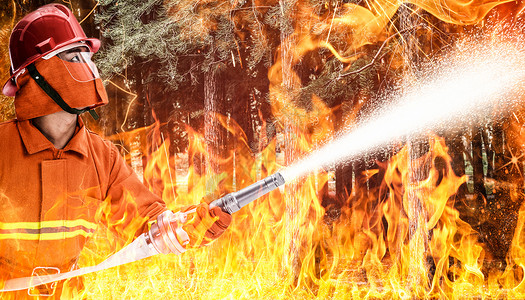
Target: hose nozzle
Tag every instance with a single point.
(168, 236)
(236, 200)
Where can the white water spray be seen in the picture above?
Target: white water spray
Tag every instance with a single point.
(466, 87)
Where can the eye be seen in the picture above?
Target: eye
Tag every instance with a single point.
(75, 58)
(75, 55)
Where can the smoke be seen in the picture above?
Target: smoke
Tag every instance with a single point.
(475, 81)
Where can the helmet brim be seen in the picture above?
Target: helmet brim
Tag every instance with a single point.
(10, 87)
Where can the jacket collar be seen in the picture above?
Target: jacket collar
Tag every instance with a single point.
(34, 141)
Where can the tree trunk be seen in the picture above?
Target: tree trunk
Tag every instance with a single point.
(213, 97)
(501, 209)
(291, 260)
(417, 216)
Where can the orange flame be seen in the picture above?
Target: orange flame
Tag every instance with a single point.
(369, 251)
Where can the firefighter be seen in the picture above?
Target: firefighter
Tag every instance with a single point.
(54, 173)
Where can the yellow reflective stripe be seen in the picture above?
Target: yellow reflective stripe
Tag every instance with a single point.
(44, 224)
(44, 236)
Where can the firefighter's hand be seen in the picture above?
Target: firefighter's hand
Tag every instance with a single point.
(205, 224)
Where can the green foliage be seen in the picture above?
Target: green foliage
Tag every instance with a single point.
(171, 33)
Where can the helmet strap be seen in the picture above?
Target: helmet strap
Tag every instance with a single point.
(49, 90)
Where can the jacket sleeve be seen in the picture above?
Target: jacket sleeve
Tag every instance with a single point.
(133, 206)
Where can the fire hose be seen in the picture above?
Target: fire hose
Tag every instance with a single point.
(165, 236)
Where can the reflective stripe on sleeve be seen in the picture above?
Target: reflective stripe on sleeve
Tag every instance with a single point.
(46, 230)
(54, 223)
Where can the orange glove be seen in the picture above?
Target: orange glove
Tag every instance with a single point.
(205, 225)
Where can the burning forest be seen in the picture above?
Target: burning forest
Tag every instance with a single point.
(397, 127)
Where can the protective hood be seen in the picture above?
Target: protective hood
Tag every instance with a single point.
(31, 101)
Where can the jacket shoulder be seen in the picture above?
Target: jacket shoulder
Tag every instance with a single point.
(8, 128)
(99, 142)
(9, 136)
(8, 124)
(94, 136)
(101, 147)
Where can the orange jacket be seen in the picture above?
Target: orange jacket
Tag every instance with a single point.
(48, 197)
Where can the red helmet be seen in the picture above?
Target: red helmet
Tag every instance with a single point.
(40, 32)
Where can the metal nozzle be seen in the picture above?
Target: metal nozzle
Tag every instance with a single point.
(236, 200)
(166, 235)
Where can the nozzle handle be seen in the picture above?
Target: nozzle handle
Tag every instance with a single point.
(237, 200)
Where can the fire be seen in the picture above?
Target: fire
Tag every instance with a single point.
(402, 238)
